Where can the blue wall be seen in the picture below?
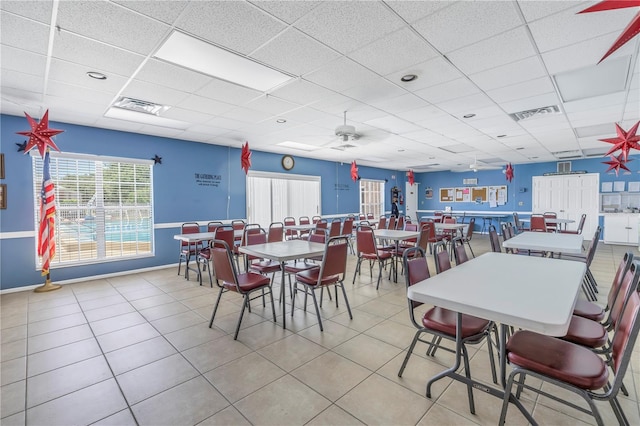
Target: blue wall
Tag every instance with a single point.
(177, 196)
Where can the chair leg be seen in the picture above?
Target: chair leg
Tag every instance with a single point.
(470, 249)
(315, 303)
(409, 352)
(467, 371)
(346, 301)
(215, 308)
(245, 304)
(273, 306)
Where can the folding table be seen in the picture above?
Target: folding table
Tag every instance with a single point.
(553, 242)
(397, 236)
(533, 293)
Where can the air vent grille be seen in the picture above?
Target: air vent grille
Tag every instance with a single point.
(523, 115)
(564, 167)
(473, 181)
(139, 105)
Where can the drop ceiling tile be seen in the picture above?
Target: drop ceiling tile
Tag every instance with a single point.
(467, 104)
(122, 125)
(21, 85)
(399, 104)
(225, 123)
(247, 115)
(288, 11)
(359, 113)
(469, 21)
(170, 75)
(516, 72)
(310, 115)
(39, 11)
(569, 27)
(153, 93)
(595, 103)
(160, 131)
(412, 11)
(392, 124)
(446, 91)
(72, 101)
(187, 115)
(13, 29)
(396, 51)
(78, 93)
(502, 49)
(347, 26)
(587, 53)
(165, 11)
(232, 20)
(70, 73)
(224, 91)
(271, 105)
(22, 61)
(534, 10)
(430, 73)
(584, 118)
(294, 52)
(536, 87)
(530, 103)
(302, 92)
(118, 26)
(199, 103)
(422, 113)
(375, 92)
(341, 75)
(96, 56)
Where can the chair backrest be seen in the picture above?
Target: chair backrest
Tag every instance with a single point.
(254, 236)
(441, 257)
(382, 222)
(336, 227)
(370, 216)
(319, 235)
(223, 264)
(431, 230)
(593, 245)
(623, 267)
(537, 223)
(334, 261)
(624, 339)
(391, 224)
(322, 224)
(459, 252)
(362, 216)
(213, 225)
(494, 239)
(438, 216)
(290, 233)
(189, 228)
(304, 220)
(400, 222)
(347, 226)
(276, 232)
(448, 219)
(516, 220)
(225, 233)
(470, 229)
(423, 239)
(315, 219)
(250, 228)
(238, 225)
(581, 223)
(551, 215)
(412, 227)
(416, 269)
(365, 240)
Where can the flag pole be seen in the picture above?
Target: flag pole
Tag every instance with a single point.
(47, 286)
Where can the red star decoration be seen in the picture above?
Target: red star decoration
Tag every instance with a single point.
(410, 177)
(245, 158)
(617, 163)
(509, 172)
(625, 140)
(40, 134)
(632, 29)
(354, 171)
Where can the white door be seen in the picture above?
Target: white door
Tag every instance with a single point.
(411, 200)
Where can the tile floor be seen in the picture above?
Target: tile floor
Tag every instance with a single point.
(136, 349)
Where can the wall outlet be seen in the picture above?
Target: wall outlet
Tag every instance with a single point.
(521, 203)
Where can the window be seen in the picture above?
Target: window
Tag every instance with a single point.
(103, 207)
(372, 197)
(273, 196)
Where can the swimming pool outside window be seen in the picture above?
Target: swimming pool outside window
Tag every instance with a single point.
(104, 207)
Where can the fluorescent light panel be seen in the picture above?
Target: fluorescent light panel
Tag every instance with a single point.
(298, 145)
(609, 76)
(143, 118)
(197, 55)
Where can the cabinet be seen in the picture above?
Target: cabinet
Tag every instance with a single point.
(621, 228)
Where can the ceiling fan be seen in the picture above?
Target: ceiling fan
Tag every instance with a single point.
(347, 132)
(476, 166)
(349, 137)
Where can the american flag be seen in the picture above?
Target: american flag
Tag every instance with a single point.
(46, 234)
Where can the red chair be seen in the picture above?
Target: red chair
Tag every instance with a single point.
(188, 250)
(238, 226)
(256, 264)
(573, 367)
(583, 218)
(400, 222)
(290, 234)
(467, 237)
(433, 237)
(459, 253)
(367, 250)
(276, 232)
(391, 223)
(222, 232)
(538, 223)
(335, 228)
(441, 257)
(247, 229)
(228, 279)
(315, 219)
(382, 223)
(304, 220)
(494, 240)
(330, 273)
(441, 323)
(347, 231)
(551, 227)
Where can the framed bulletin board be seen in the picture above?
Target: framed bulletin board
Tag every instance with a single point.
(463, 195)
(446, 195)
(3, 196)
(479, 193)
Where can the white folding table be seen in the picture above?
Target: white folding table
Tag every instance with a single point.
(397, 236)
(283, 251)
(533, 293)
(554, 242)
(194, 238)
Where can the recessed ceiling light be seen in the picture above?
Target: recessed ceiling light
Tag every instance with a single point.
(468, 115)
(409, 77)
(97, 75)
(281, 120)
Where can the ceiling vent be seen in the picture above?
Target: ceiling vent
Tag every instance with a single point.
(343, 147)
(564, 167)
(523, 115)
(567, 154)
(138, 105)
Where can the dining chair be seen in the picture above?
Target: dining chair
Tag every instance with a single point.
(578, 230)
(275, 233)
(367, 250)
(459, 253)
(238, 225)
(538, 223)
(572, 367)
(347, 231)
(315, 219)
(589, 283)
(203, 259)
(382, 223)
(335, 228)
(362, 216)
(494, 239)
(551, 227)
(466, 238)
(229, 279)
(290, 234)
(441, 323)
(518, 223)
(330, 273)
(322, 224)
(257, 264)
(438, 216)
(400, 223)
(213, 225)
(188, 250)
(247, 229)
(391, 223)
(370, 216)
(304, 220)
(441, 257)
(433, 237)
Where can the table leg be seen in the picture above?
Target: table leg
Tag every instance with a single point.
(282, 295)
